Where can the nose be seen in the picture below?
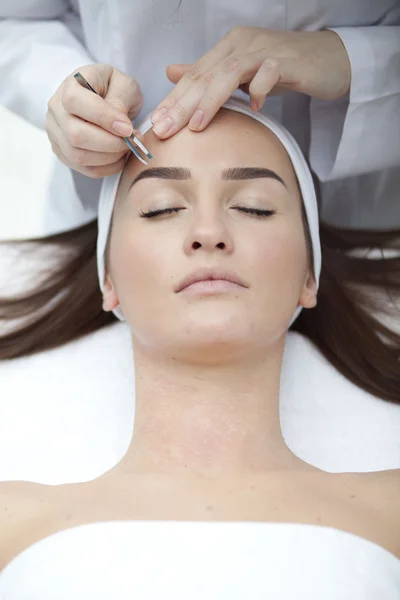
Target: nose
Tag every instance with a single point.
(209, 233)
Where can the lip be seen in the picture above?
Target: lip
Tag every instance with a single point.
(210, 275)
(209, 287)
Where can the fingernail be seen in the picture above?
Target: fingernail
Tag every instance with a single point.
(158, 114)
(254, 105)
(197, 119)
(163, 126)
(122, 128)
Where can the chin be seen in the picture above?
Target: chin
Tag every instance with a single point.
(216, 338)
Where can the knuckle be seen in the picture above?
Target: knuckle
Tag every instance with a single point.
(135, 88)
(181, 110)
(255, 89)
(137, 96)
(232, 64)
(168, 103)
(271, 64)
(72, 134)
(69, 100)
(50, 104)
(194, 74)
(206, 81)
(94, 172)
(78, 157)
(235, 32)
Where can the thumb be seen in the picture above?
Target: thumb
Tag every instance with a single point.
(124, 93)
(176, 71)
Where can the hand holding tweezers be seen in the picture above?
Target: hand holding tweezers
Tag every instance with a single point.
(132, 139)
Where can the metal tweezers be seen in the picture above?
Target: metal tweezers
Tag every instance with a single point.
(132, 139)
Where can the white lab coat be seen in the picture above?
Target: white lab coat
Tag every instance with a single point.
(353, 144)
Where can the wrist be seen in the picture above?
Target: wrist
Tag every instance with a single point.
(342, 61)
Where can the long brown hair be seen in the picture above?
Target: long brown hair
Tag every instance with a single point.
(66, 303)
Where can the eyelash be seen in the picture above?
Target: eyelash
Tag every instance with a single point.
(255, 211)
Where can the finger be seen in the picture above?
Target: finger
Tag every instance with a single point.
(88, 158)
(81, 134)
(91, 107)
(59, 153)
(76, 155)
(124, 94)
(267, 76)
(94, 172)
(201, 102)
(195, 73)
(176, 71)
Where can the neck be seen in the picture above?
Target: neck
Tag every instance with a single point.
(208, 420)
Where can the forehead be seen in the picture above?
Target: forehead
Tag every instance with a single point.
(230, 140)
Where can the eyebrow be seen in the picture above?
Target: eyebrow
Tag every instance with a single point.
(235, 174)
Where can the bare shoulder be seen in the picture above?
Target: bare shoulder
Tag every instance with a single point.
(366, 504)
(381, 489)
(379, 493)
(22, 507)
(385, 491)
(377, 490)
(19, 495)
(16, 496)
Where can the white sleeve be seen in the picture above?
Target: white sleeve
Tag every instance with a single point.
(36, 54)
(360, 133)
(41, 43)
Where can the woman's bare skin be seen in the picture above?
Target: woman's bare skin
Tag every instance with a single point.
(207, 443)
(363, 504)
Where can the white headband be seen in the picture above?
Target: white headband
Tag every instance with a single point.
(110, 186)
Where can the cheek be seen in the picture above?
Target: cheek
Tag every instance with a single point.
(280, 261)
(141, 269)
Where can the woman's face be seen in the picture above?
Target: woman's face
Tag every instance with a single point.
(150, 256)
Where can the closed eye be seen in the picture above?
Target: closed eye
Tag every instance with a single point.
(254, 211)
